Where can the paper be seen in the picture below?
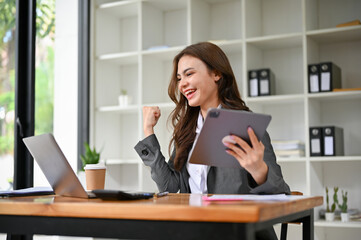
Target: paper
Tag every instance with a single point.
(247, 197)
(329, 146)
(325, 81)
(264, 86)
(253, 87)
(314, 87)
(315, 145)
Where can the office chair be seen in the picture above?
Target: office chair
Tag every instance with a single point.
(284, 226)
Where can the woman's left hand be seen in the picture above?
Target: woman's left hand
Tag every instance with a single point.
(250, 158)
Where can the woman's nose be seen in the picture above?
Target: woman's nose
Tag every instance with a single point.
(182, 83)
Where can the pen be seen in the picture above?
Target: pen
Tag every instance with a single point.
(162, 194)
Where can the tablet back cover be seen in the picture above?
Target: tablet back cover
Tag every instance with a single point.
(209, 149)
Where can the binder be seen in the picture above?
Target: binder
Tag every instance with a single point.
(330, 75)
(313, 78)
(316, 141)
(333, 141)
(266, 82)
(253, 83)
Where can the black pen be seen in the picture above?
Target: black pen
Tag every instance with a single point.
(161, 194)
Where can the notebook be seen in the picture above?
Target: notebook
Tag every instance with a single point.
(55, 166)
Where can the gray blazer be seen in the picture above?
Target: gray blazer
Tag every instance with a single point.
(219, 180)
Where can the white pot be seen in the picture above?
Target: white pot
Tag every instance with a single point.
(124, 100)
(345, 217)
(330, 216)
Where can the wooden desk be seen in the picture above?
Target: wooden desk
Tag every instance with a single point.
(176, 216)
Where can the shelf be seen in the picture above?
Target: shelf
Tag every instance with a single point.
(123, 58)
(163, 54)
(277, 99)
(277, 41)
(338, 224)
(336, 159)
(165, 106)
(291, 159)
(334, 35)
(326, 96)
(121, 9)
(119, 109)
(121, 161)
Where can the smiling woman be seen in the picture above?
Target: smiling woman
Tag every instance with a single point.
(202, 78)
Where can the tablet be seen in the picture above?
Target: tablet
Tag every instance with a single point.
(219, 123)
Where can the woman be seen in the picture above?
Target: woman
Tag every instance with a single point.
(202, 78)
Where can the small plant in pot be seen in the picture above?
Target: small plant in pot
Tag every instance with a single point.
(123, 98)
(343, 208)
(330, 212)
(94, 171)
(90, 156)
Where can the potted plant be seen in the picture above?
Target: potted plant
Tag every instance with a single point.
(343, 207)
(90, 156)
(123, 98)
(330, 213)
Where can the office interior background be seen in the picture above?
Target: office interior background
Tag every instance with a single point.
(132, 44)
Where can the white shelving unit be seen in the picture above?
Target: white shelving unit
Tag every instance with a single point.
(134, 43)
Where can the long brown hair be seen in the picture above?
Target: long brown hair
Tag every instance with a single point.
(184, 117)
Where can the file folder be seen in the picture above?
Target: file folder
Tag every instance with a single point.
(330, 75)
(316, 141)
(333, 141)
(313, 78)
(253, 83)
(266, 85)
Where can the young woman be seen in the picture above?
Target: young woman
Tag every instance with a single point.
(203, 78)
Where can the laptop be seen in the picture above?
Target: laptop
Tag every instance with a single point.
(55, 166)
(61, 176)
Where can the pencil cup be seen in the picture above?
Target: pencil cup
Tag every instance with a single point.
(95, 176)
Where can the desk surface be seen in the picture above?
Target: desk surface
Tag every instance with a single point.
(174, 207)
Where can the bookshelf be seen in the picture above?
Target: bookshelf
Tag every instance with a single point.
(134, 43)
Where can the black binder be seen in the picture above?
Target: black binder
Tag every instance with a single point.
(333, 141)
(266, 82)
(253, 83)
(313, 78)
(330, 76)
(316, 141)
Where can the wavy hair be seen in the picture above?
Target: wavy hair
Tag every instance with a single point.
(184, 117)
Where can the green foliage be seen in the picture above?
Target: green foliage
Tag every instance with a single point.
(90, 157)
(335, 199)
(327, 201)
(45, 17)
(44, 98)
(343, 206)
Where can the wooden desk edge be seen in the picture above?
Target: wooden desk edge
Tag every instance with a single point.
(243, 212)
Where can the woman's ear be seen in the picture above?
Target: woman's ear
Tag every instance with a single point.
(217, 76)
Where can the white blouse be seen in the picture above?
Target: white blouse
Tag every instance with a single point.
(197, 172)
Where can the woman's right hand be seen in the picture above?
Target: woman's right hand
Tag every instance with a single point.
(150, 119)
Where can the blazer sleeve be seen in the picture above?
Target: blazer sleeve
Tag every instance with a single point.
(275, 183)
(164, 175)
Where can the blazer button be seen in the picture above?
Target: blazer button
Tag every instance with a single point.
(145, 152)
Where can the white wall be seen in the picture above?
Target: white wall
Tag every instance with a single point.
(66, 78)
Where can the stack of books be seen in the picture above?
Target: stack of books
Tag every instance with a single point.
(288, 148)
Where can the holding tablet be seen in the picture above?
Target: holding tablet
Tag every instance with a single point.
(218, 126)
